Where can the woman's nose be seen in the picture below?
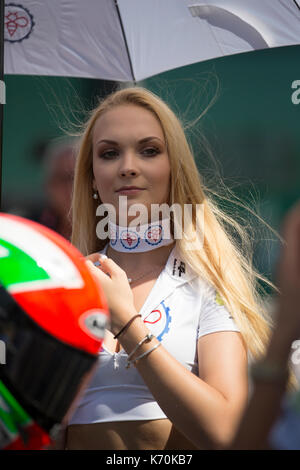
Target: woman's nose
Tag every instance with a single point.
(128, 166)
(128, 172)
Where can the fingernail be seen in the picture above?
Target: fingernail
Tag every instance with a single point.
(103, 256)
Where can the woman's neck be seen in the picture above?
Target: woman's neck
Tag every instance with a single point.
(132, 262)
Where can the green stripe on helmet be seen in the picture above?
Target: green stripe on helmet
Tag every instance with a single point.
(12, 414)
(17, 267)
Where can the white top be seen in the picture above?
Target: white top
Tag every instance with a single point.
(178, 311)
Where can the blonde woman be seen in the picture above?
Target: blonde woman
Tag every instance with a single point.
(173, 369)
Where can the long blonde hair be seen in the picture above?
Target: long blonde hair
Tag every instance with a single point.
(217, 258)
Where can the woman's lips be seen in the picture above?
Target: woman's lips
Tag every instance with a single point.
(128, 192)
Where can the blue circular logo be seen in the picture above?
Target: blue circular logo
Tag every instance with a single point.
(129, 239)
(154, 234)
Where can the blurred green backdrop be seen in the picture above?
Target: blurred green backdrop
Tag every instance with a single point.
(249, 124)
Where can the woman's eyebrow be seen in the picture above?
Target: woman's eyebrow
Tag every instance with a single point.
(113, 142)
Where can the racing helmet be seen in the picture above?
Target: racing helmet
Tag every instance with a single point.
(53, 316)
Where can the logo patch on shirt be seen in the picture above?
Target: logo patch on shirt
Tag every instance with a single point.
(180, 267)
(158, 320)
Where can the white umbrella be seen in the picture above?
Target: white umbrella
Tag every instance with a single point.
(130, 40)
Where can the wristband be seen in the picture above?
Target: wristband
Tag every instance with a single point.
(126, 326)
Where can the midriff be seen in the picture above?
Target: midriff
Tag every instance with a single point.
(127, 435)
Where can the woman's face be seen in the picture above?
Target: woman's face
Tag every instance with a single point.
(129, 150)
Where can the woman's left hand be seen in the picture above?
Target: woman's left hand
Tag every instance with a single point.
(114, 282)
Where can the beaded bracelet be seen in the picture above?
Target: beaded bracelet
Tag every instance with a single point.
(141, 356)
(146, 339)
(126, 326)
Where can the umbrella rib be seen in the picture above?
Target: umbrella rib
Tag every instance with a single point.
(297, 5)
(125, 40)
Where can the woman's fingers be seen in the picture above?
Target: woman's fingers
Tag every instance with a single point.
(98, 274)
(92, 266)
(109, 266)
(103, 261)
(96, 258)
(106, 265)
(114, 282)
(93, 257)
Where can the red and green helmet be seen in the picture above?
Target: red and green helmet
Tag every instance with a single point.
(53, 317)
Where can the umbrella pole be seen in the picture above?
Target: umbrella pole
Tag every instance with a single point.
(2, 88)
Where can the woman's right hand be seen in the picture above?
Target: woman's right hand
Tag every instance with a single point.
(113, 280)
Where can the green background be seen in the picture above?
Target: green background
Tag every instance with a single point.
(249, 124)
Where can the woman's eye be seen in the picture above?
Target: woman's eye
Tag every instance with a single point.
(152, 151)
(108, 155)
(111, 154)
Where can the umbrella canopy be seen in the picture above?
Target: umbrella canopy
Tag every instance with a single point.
(130, 40)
